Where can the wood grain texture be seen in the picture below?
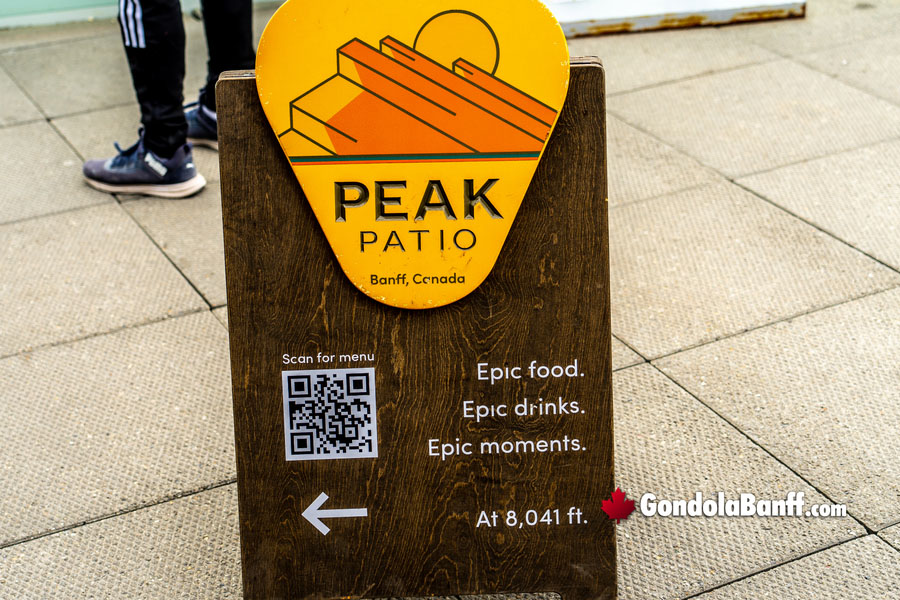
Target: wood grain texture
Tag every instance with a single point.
(547, 299)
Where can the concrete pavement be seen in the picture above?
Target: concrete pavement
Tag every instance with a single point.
(755, 217)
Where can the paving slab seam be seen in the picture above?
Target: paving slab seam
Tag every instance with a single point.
(125, 511)
(666, 143)
(793, 57)
(760, 446)
(164, 253)
(810, 159)
(762, 47)
(816, 227)
(787, 319)
(643, 358)
(848, 83)
(732, 178)
(888, 526)
(77, 38)
(771, 567)
(26, 122)
(52, 214)
(93, 110)
(25, 93)
(692, 77)
(177, 315)
(663, 194)
(53, 126)
(892, 547)
(786, 59)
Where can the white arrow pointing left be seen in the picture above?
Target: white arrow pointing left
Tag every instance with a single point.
(314, 513)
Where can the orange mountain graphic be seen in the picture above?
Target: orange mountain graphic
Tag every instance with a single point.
(395, 104)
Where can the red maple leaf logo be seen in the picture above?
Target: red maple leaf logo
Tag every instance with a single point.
(618, 507)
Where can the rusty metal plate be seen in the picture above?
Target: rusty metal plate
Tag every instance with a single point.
(594, 17)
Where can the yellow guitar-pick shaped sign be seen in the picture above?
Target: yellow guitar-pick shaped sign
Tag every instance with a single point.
(414, 129)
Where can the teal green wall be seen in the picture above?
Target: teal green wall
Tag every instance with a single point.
(19, 8)
(18, 13)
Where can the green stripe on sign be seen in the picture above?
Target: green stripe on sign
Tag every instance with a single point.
(407, 157)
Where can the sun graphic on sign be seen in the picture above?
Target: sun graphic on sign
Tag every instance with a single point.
(433, 99)
(415, 129)
(481, 47)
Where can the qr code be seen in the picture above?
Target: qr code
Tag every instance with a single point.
(329, 413)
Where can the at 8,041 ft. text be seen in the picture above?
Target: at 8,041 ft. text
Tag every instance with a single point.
(530, 518)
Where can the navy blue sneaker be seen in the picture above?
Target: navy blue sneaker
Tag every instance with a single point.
(137, 170)
(202, 125)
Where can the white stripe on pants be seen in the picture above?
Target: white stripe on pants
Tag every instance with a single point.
(131, 17)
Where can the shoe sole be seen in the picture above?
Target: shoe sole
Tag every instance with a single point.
(169, 190)
(214, 144)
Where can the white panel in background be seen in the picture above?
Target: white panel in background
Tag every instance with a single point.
(588, 17)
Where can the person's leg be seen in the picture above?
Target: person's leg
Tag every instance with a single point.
(153, 33)
(160, 162)
(229, 38)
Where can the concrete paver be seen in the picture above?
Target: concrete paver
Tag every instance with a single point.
(670, 445)
(56, 78)
(820, 392)
(892, 536)
(91, 429)
(760, 117)
(873, 65)
(116, 421)
(698, 265)
(863, 568)
(29, 37)
(189, 231)
(221, 314)
(623, 356)
(40, 174)
(828, 23)
(636, 61)
(15, 107)
(92, 134)
(187, 548)
(642, 167)
(80, 273)
(852, 195)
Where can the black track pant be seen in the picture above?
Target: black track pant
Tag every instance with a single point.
(153, 33)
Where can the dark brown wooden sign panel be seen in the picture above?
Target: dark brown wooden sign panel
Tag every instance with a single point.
(494, 413)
